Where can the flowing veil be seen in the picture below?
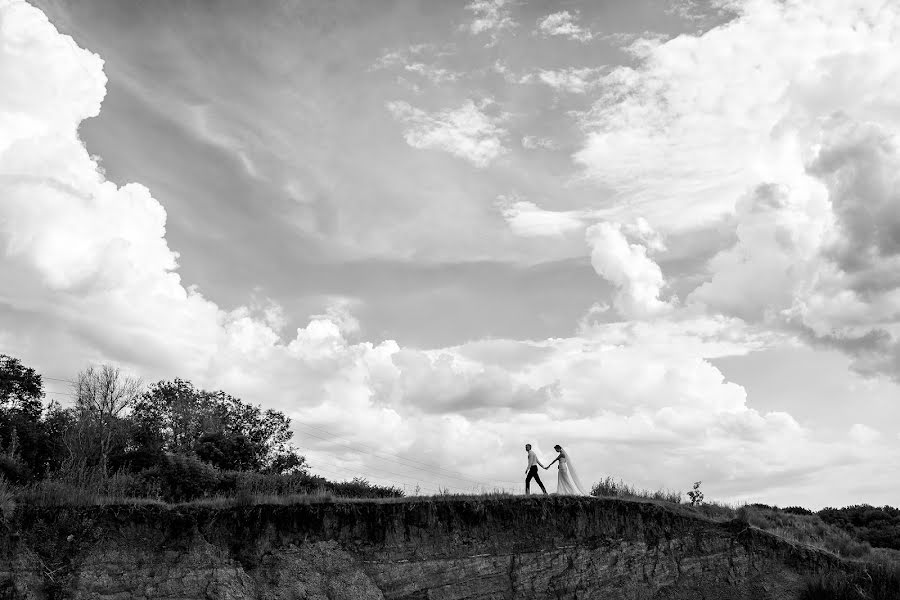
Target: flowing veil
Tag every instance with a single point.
(537, 452)
(573, 474)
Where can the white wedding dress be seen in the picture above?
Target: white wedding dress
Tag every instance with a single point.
(568, 483)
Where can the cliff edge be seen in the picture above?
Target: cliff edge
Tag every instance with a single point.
(442, 549)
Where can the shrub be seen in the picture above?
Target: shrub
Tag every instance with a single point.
(610, 488)
(797, 510)
(805, 529)
(880, 526)
(360, 488)
(695, 494)
(12, 469)
(184, 477)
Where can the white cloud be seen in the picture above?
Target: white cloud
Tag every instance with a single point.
(638, 280)
(563, 24)
(572, 79)
(89, 276)
(863, 434)
(491, 16)
(467, 132)
(433, 73)
(529, 220)
(700, 10)
(798, 143)
(533, 142)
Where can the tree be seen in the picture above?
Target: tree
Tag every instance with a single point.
(23, 439)
(103, 394)
(21, 387)
(174, 416)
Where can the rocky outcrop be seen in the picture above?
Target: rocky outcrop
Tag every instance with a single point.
(447, 549)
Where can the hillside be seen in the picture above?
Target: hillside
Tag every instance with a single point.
(440, 548)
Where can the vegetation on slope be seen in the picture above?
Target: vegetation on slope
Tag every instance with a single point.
(170, 442)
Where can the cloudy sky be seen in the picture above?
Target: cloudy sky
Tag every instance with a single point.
(663, 233)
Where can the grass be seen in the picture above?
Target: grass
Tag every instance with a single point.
(809, 530)
(80, 486)
(610, 488)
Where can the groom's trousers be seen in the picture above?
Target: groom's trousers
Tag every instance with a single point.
(533, 474)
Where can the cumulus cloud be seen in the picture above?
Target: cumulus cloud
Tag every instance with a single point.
(863, 434)
(468, 132)
(491, 17)
(638, 279)
(798, 144)
(528, 219)
(564, 24)
(533, 142)
(699, 10)
(89, 276)
(433, 73)
(571, 79)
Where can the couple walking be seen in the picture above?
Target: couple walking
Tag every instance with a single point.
(567, 484)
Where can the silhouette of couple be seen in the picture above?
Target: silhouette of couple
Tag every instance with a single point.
(567, 483)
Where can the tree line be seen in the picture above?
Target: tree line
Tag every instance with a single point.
(170, 439)
(878, 525)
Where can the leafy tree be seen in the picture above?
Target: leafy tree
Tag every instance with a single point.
(23, 439)
(175, 417)
(21, 387)
(230, 452)
(880, 526)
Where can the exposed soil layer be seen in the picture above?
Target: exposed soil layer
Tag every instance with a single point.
(459, 549)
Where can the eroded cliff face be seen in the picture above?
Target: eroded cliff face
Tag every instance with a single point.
(504, 548)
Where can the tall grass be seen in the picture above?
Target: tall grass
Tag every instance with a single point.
(881, 583)
(7, 499)
(610, 488)
(180, 479)
(806, 529)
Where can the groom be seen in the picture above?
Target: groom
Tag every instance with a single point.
(531, 472)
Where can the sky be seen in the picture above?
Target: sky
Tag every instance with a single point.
(664, 234)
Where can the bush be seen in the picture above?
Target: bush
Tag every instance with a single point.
(805, 529)
(184, 477)
(269, 484)
(360, 488)
(12, 469)
(880, 526)
(797, 510)
(610, 488)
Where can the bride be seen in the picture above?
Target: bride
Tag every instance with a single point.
(568, 483)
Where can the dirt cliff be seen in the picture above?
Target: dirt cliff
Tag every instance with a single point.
(447, 549)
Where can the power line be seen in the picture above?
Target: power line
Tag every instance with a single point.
(20, 378)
